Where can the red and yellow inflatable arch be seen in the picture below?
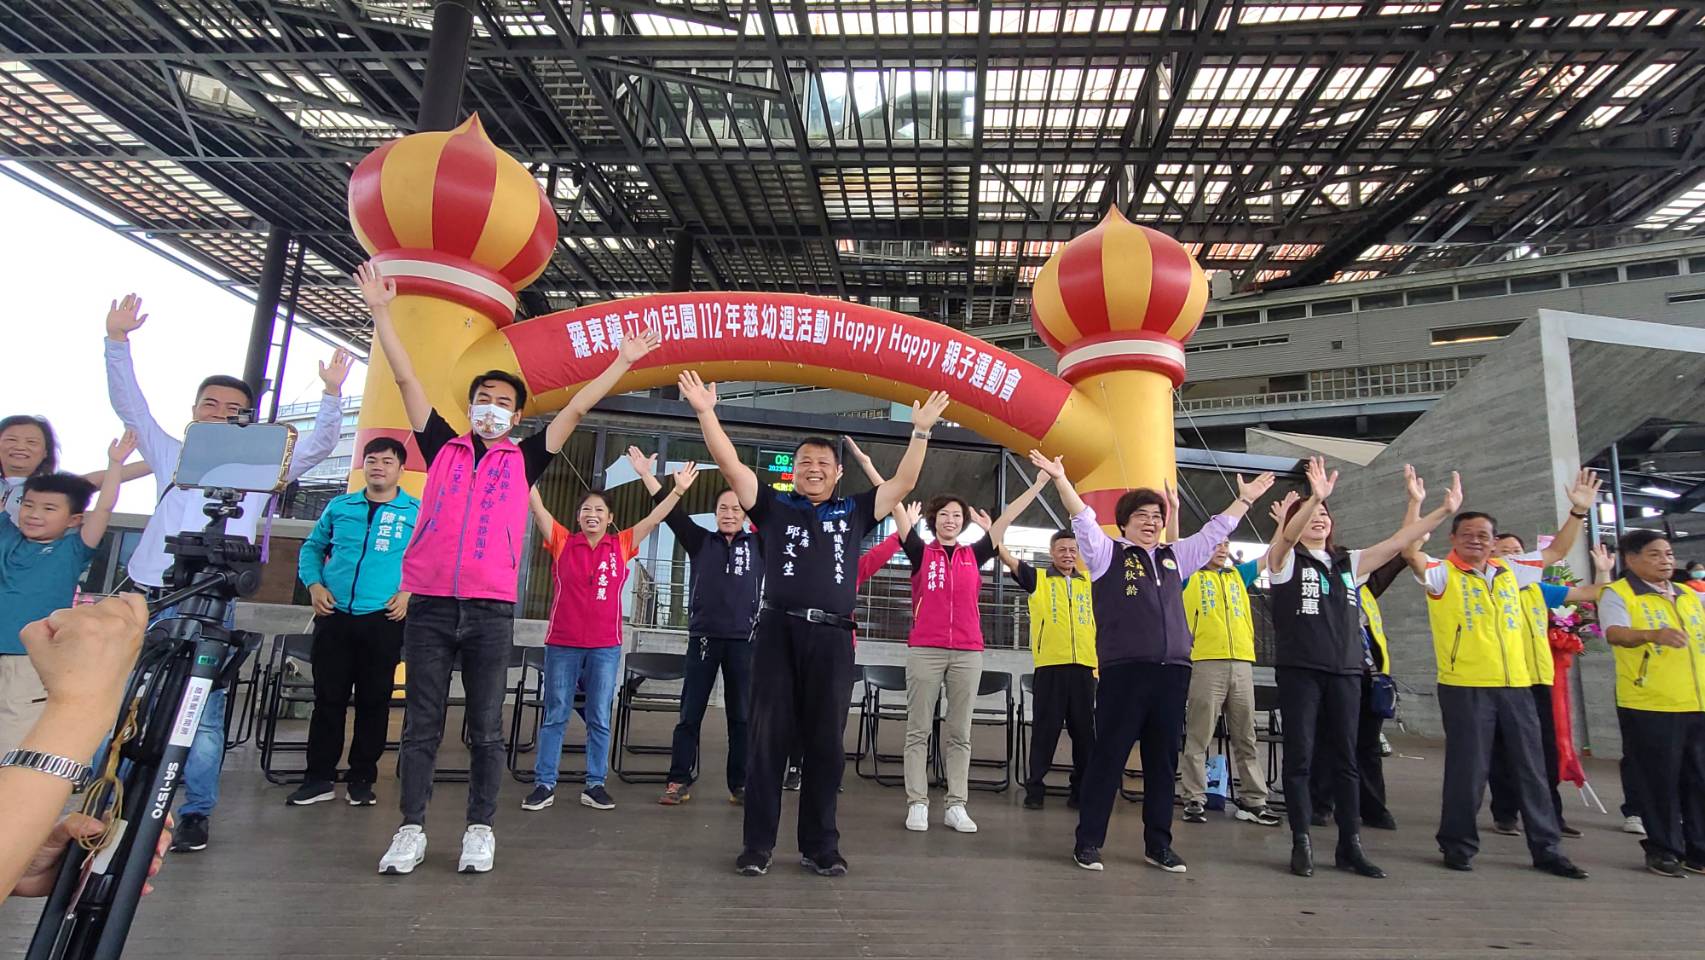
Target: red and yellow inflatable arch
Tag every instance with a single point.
(461, 226)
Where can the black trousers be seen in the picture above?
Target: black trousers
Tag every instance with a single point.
(801, 691)
(1064, 697)
(1135, 703)
(1370, 766)
(1666, 759)
(1473, 716)
(1506, 798)
(1321, 712)
(1630, 790)
(359, 655)
(705, 656)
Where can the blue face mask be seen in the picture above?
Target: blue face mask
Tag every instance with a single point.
(1696, 574)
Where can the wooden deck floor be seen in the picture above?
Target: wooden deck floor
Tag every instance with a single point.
(646, 881)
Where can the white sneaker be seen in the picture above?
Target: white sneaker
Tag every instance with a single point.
(479, 846)
(917, 817)
(1634, 825)
(408, 848)
(959, 820)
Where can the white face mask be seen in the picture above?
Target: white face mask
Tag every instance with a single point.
(490, 421)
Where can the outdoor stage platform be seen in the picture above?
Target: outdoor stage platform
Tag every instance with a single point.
(648, 881)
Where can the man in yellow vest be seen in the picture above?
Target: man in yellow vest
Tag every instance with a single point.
(1062, 643)
(1538, 600)
(1657, 631)
(1480, 645)
(1222, 676)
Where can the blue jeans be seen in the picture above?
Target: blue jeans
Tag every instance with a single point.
(207, 751)
(565, 667)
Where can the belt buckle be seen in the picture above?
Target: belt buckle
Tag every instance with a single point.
(814, 615)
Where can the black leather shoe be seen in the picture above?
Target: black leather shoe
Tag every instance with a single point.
(1350, 857)
(1034, 801)
(1320, 818)
(1561, 867)
(1302, 855)
(1458, 863)
(1383, 821)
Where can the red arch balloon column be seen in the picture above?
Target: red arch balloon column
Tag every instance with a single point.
(462, 227)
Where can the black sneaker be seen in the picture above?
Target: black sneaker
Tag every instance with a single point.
(1088, 858)
(1693, 866)
(1195, 812)
(737, 796)
(1261, 816)
(597, 798)
(191, 834)
(1565, 868)
(830, 864)
(1664, 866)
(752, 863)
(1165, 860)
(314, 791)
(360, 795)
(1508, 828)
(791, 781)
(1034, 801)
(540, 798)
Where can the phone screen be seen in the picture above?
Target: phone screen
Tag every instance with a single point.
(253, 458)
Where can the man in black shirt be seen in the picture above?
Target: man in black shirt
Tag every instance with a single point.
(802, 655)
(462, 569)
(722, 604)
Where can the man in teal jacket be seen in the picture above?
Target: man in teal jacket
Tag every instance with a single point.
(352, 565)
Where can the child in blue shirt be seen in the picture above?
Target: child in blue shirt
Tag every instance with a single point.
(42, 557)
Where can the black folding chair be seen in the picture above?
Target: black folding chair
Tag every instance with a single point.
(631, 699)
(1267, 701)
(286, 683)
(529, 694)
(242, 699)
(873, 710)
(991, 683)
(1026, 724)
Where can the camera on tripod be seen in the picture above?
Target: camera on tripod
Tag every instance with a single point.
(190, 651)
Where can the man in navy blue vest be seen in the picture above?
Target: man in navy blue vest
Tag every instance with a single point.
(722, 603)
(1142, 639)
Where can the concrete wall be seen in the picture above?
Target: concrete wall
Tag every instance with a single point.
(1562, 386)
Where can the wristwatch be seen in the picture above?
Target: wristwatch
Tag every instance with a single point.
(920, 434)
(64, 768)
(1579, 516)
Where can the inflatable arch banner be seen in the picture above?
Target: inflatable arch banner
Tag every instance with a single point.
(462, 227)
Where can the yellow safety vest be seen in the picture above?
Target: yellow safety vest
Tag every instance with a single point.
(1062, 620)
(1536, 620)
(1376, 627)
(1217, 606)
(1479, 639)
(1662, 679)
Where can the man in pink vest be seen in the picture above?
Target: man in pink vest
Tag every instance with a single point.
(462, 570)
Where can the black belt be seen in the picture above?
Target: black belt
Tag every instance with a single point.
(814, 615)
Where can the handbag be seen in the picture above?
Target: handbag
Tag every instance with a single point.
(1382, 690)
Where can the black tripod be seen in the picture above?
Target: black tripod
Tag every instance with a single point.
(184, 659)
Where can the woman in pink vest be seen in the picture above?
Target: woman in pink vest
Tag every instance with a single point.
(946, 645)
(584, 641)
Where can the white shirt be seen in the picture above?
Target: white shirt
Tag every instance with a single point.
(1613, 612)
(1288, 566)
(12, 495)
(179, 510)
(1529, 569)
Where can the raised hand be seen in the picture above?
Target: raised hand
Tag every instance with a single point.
(1453, 496)
(125, 317)
(906, 516)
(1414, 485)
(1281, 508)
(1055, 468)
(1603, 561)
(122, 448)
(853, 448)
(377, 290)
(982, 519)
(1253, 490)
(1583, 493)
(634, 349)
(1320, 482)
(926, 414)
(643, 465)
(333, 374)
(685, 476)
(699, 395)
(1171, 494)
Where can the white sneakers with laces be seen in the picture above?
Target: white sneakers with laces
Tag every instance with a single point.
(479, 848)
(1634, 825)
(917, 817)
(959, 820)
(407, 849)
